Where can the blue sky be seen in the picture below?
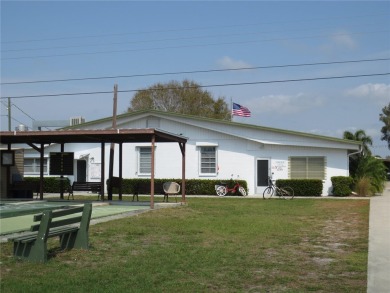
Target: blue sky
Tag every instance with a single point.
(64, 40)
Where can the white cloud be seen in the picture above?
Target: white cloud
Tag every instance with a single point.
(285, 104)
(229, 63)
(343, 39)
(340, 40)
(376, 92)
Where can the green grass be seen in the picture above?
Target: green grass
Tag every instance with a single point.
(211, 245)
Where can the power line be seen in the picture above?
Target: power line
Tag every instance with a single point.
(204, 86)
(186, 46)
(194, 71)
(189, 29)
(18, 109)
(23, 112)
(166, 39)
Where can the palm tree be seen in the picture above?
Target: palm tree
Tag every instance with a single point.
(360, 135)
(364, 165)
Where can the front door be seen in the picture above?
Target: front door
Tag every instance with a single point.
(81, 171)
(262, 173)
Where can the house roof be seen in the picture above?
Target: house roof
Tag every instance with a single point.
(88, 136)
(219, 121)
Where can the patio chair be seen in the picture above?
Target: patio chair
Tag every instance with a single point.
(170, 188)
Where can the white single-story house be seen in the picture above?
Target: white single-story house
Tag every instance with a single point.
(215, 149)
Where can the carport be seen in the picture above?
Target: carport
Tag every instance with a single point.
(38, 139)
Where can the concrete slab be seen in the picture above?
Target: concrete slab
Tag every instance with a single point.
(378, 278)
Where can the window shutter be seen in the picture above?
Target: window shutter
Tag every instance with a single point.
(307, 167)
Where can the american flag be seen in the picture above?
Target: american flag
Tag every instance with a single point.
(239, 110)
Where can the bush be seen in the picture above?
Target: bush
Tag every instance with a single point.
(193, 186)
(302, 187)
(342, 185)
(50, 184)
(375, 170)
(363, 187)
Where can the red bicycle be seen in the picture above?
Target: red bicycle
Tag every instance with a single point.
(223, 188)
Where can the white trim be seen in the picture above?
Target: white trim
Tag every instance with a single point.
(205, 144)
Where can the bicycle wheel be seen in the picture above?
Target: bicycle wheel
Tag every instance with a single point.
(221, 190)
(268, 192)
(242, 191)
(287, 192)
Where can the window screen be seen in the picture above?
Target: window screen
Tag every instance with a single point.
(32, 165)
(145, 160)
(208, 161)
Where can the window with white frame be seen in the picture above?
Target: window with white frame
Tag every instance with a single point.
(208, 160)
(145, 160)
(32, 166)
(307, 167)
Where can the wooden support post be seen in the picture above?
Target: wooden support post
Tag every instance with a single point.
(42, 150)
(120, 169)
(8, 175)
(102, 171)
(152, 175)
(62, 177)
(183, 171)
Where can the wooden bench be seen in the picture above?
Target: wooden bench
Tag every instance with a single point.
(72, 232)
(144, 188)
(85, 186)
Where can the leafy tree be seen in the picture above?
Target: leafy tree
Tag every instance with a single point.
(385, 118)
(186, 97)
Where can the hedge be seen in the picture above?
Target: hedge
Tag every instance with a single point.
(302, 187)
(193, 186)
(342, 185)
(50, 184)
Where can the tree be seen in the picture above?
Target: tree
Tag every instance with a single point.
(360, 135)
(364, 166)
(385, 118)
(186, 97)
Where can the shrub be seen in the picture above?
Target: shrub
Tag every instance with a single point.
(342, 185)
(363, 187)
(302, 187)
(193, 186)
(375, 170)
(50, 184)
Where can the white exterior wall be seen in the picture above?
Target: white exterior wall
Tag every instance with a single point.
(238, 149)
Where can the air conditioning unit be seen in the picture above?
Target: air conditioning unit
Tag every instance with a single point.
(76, 120)
(21, 127)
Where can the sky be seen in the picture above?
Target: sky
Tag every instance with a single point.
(310, 66)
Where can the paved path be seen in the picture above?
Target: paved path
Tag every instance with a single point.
(378, 279)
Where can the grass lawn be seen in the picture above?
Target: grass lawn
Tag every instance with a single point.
(211, 245)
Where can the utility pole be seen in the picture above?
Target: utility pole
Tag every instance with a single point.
(112, 148)
(9, 114)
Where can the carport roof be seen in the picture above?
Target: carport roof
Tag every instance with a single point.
(89, 136)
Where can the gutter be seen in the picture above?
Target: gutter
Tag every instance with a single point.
(358, 152)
